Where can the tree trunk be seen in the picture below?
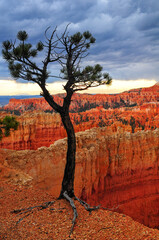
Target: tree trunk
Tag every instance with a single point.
(68, 179)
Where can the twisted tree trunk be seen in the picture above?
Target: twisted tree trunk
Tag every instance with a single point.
(68, 179)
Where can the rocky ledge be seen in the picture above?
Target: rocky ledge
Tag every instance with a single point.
(117, 171)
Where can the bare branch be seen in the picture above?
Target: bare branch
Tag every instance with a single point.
(46, 33)
(85, 86)
(50, 99)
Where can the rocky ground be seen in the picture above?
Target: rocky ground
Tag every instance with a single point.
(55, 221)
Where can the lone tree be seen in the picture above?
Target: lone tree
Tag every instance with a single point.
(68, 51)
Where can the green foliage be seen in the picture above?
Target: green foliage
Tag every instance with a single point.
(15, 69)
(8, 123)
(22, 35)
(90, 76)
(18, 51)
(86, 38)
(40, 46)
(87, 35)
(7, 45)
(67, 50)
(5, 55)
(76, 38)
(19, 57)
(33, 53)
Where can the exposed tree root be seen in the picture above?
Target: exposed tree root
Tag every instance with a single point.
(27, 211)
(86, 206)
(110, 209)
(74, 210)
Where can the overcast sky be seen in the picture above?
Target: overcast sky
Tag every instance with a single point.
(126, 31)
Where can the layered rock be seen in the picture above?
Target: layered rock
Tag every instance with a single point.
(38, 128)
(35, 129)
(116, 170)
(82, 102)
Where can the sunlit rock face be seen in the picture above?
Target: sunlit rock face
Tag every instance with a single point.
(38, 128)
(114, 167)
(82, 102)
(124, 174)
(35, 129)
(119, 170)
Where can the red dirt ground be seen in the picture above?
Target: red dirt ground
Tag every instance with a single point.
(55, 222)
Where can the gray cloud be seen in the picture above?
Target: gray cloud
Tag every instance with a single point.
(127, 31)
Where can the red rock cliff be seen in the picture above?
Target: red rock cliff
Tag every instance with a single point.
(82, 102)
(114, 170)
(38, 128)
(35, 129)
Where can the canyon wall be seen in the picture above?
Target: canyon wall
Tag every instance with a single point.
(119, 170)
(38, 128)
(35, 129)
(130, 111)
(83, 102)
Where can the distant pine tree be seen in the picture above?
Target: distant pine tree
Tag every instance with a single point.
(6, 125)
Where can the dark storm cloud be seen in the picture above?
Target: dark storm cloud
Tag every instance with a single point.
(127, 31)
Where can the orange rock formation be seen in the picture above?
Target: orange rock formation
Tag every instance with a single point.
(116, 170)
(38, 128)
(82, 102)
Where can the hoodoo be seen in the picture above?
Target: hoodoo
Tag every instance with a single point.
(119, 170)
